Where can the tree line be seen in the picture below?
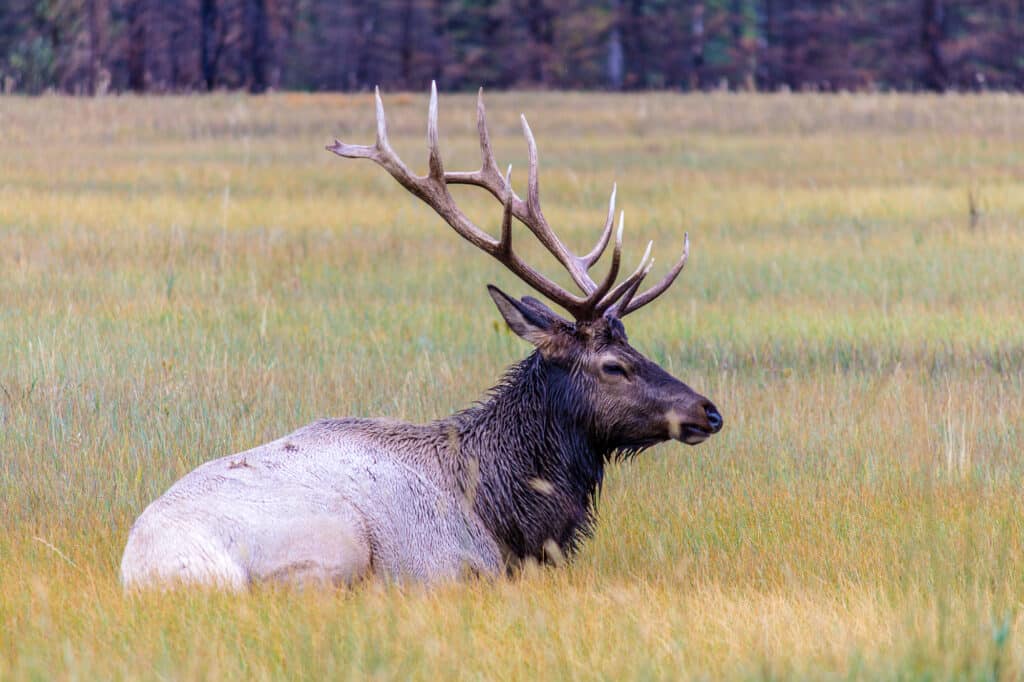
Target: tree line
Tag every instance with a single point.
(98, 46)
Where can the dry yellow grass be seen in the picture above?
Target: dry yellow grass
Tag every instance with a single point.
(181, 278)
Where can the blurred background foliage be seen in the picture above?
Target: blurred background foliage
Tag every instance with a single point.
(97, 46)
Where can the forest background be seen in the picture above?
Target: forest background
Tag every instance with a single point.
(100, 46)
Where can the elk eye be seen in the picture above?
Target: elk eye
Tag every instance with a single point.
(614, 368)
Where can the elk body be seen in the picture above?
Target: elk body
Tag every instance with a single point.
(511, 478)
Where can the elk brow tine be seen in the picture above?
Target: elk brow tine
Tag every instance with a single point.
(602, 242)
(613, 272)
(380, 153)
(659, 288)
(362, 151)
(352, 151)
(641, 271)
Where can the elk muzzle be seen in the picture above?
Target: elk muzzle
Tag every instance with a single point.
(696, 423)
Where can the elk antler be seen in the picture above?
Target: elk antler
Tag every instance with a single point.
(432, 189)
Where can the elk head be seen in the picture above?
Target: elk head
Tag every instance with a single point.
(627, 401)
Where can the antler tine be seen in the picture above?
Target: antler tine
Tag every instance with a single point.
(594, 298)
(434, 159)
(602, 243)
(362, 151)
(505, 245)
(488, 166)
(533, 182)
(630, 282)
(658, 289)
(488, 177)
(535, 221)
(382, 124)
(626, 298)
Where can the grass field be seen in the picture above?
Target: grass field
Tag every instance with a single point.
(182, 278)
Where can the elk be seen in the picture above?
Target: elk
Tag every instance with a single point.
(513, 478)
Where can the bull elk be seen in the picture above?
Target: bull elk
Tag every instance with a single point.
(512, 478)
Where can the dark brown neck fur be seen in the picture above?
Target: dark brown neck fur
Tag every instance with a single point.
(536, 470)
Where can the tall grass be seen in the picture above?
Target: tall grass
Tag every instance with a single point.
(181, 278)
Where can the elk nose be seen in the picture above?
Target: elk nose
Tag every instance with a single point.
(714, 418)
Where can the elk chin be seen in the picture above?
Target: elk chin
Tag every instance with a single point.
(691, 434)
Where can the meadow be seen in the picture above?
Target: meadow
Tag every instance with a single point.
(183, 278)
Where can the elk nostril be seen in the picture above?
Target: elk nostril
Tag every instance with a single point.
(714, 418)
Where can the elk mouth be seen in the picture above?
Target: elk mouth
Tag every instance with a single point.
(692, 434)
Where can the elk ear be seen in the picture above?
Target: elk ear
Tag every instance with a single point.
(529, 319)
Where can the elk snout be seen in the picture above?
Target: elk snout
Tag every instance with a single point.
(715, 420)
(703, 421)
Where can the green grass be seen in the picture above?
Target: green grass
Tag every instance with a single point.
(182, 278)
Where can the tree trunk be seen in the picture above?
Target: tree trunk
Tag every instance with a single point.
(259, 45)
(936, 75)
(367, 20)
(406, 43)
(635, 43)
(209, 43)
(540, 20)
(766, 39)
(98, 22)
(137, 12)
(438, 42)
(745, 58)
(697, 47)
(615, 52)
